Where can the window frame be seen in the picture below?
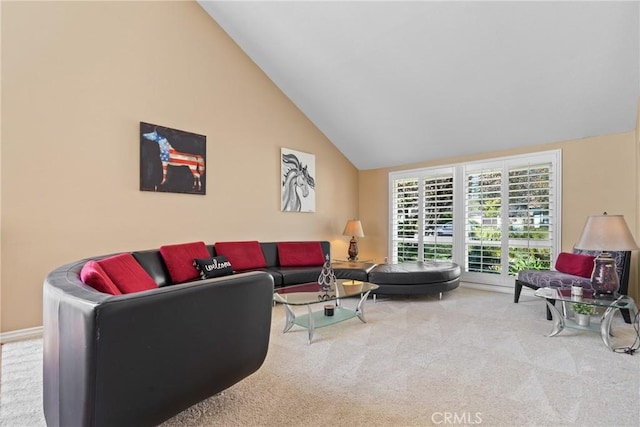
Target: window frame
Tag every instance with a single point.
(460, 171)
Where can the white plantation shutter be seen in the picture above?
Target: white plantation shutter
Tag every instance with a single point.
(438, 216)
(405, 217)
(483, 231)
(532, 214)
(421, 216)
(503, 216)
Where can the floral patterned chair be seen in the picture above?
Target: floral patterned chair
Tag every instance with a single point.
(536, 279)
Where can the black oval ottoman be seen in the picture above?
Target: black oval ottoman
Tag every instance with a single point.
(416, 277)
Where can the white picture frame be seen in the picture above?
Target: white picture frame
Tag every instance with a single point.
(297, 181)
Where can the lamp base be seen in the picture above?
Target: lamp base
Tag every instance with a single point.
(353, 250)
(606, 296)
(604, 279)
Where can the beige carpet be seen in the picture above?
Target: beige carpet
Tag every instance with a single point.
(473, 358)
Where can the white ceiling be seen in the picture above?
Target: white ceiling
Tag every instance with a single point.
(393, 83)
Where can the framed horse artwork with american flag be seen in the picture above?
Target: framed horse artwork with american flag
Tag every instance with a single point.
(172, 160)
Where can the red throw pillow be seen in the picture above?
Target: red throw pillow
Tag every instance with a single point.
(300, 254)
(242, 255)
(127, 274)
(93, 275)
(179, 260)
(578, 265)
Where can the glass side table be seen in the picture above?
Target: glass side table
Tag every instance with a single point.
(309, 294)
(560, 320)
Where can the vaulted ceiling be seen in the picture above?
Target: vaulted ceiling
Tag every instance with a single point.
(392, 83)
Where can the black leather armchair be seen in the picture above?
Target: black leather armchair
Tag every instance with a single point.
(138, 359)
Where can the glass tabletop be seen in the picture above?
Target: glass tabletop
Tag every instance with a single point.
(310, 293)
(620, 301)
(352, 261)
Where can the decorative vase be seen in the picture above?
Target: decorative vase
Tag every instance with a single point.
(583, 319)
(327, 277)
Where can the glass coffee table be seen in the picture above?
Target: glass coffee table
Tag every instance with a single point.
(310, 294)
(560, 320)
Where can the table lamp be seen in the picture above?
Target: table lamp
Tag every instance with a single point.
(353, 229)
(606, 233)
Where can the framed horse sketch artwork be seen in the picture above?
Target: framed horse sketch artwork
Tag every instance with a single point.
(297, 182)
(172, 160)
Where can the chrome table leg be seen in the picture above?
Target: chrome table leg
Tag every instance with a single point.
(558, 319)
(607, 318)
(288, 323)
(311, 323)
(360, 306)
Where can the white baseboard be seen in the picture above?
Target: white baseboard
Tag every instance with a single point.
(21, 335)
(496, 288)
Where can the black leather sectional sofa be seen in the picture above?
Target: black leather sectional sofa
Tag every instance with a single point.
(138, 359)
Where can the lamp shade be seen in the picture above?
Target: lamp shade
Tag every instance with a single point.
(606, 233)
(353, 228)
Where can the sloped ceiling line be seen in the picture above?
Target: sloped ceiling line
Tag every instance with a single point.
(393, 83)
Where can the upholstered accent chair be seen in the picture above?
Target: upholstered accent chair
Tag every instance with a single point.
(536, 279)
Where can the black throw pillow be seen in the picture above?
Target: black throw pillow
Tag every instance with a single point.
(213, 267)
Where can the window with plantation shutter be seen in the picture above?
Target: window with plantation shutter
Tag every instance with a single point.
(405, 217)
(494, 217)
(422, 216)
(438, 216)
(531, 216)
(483, 230)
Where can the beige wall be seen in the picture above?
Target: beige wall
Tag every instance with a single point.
(598, 174)
(77, 78)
